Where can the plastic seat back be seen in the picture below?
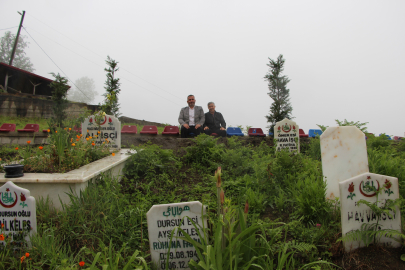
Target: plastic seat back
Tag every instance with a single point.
(129, 129)
(256, 132)
(7, 128)
(313, 132)
(302, 133)
(234, 131)
(30, 128)
(149, 130)
(171, 130)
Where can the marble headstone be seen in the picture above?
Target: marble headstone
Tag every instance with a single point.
(344, 155)
(286, 134)
(162, 219)
(110, 128)
(18, 216)
(354, 216)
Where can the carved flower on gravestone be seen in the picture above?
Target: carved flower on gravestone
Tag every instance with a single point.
(279, 129)
(351, 190)
(23, 204)
(387, 186)
(294, 129)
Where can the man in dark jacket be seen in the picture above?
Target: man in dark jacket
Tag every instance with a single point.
(214, 121)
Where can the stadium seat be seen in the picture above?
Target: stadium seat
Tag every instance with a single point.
(271, 133)
(29, 128)
(396, 138)
(388, 137)
(152, 130)
(7, 127)
(302, 133)
(171, 130)
(129, 129)
(234, 131)
(313, 132)
(256, 132)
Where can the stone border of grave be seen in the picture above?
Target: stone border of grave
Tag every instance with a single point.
(56, 185)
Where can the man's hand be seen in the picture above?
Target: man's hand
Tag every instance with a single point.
(206, 128)
(197, 126)
(222, 128)
(186, 126)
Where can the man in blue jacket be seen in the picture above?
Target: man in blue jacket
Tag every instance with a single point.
(214, 121)
(191, 118)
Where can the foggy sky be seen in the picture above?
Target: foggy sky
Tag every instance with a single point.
(345, 59)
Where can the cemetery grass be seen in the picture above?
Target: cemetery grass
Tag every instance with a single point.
(107, 223)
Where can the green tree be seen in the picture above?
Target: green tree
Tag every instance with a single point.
(112, 87)
(361, 126)
(84, 90)
(278, 92)
(59, 92)
(20, 59)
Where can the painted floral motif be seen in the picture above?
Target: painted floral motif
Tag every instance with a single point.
(387, 186)
(23, 204)
(351, 190)
(294, 129)
(279, 129)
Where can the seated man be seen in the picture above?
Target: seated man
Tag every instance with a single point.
(214, 121)
(191, 118)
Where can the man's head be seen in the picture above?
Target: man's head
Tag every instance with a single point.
(211, 107)
(191, 101)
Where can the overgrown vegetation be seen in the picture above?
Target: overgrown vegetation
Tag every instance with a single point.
(288, 225)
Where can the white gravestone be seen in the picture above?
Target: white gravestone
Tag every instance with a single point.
(286, 134)
(162, 219)
(110, 128)
(354, 216)
(344, 155)
(18, 214)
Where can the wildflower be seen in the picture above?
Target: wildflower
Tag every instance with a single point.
(73, 144)
(70, 129)
(93, 144)
(222, 196)
(41, 147)
(65, 128)
(96, 136)
(98, 132)
(90, 137)
(318, 225)
(28, 142)
(49, 130)
(2, 225)
(81, 263)
(16, 148)
(27, 255)
(77, 140)
(87, 131)
(113, 154)
(22, 258)
(103, 142)
(56, 131)
(1, 235)
(87, 139)
(77, 136)
(106, 140)
(71, 139)
(246, 207)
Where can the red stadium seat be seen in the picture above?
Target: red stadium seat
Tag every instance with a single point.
(29, 128)
(129, 129)
(256, 132)
(302, 133)
(171, 130)
(7, 127)
(149, 130)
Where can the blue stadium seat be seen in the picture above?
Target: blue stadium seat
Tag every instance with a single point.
(234, 131)
(271, 133)
(313, 132)
(389, 138)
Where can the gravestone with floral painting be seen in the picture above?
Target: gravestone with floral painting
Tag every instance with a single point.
(18, 218)
(103, 129)
(286, 135)
(356, 217)
(163, 221)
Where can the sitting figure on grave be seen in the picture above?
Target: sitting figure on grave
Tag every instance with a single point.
(191, 118)
(214, 121)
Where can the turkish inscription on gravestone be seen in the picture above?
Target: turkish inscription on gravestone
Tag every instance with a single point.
(162, 219)
(110, 129)
(362, 187)
(18, 215)
(286, 134)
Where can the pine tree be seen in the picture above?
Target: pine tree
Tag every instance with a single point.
(278, 92)
(59, 92)
(112, 86)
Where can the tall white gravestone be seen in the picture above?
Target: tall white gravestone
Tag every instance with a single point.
(286, 134)
(344, 155)
(18, 214)
(162, 219)
(110, 128)
(354, 216)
